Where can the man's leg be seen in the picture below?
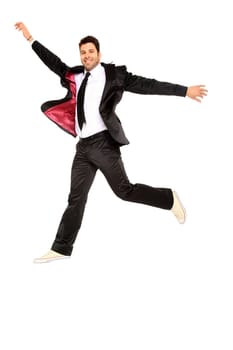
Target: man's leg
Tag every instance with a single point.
(82, 176)
(108, 159)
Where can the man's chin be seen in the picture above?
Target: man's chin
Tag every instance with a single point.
(89, 67)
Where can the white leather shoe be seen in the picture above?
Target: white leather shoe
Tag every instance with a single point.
(178, 209)
(50, 256)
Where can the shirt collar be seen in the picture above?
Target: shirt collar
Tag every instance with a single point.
(95, 71)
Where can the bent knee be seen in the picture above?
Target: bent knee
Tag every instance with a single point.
(124, 191)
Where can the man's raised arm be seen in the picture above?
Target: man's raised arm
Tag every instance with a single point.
(49, 59)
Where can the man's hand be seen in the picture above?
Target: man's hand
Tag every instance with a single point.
(197, 92)
(21, 27)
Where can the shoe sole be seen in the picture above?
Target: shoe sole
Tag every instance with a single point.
(43, 261)
(182, 207)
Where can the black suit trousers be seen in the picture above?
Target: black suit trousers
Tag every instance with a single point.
(101, 152)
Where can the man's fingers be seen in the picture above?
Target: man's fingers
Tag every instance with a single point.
(19, 25)
(202, 91)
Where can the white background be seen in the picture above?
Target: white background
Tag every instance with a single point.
(137, 279)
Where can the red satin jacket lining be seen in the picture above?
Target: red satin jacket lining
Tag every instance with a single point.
(63, 114)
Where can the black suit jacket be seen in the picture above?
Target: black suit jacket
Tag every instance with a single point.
(118, 80)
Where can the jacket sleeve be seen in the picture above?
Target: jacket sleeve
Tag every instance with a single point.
(49, 59)
(141, 85)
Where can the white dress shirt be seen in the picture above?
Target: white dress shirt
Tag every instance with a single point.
(93, 94)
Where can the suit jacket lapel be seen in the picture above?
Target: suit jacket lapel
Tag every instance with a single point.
(110, 77)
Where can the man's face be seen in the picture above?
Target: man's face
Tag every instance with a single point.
(89, 56)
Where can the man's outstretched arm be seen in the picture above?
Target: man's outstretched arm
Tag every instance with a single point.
(49, 59)
(142, 85)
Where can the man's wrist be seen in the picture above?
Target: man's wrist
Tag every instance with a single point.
(30, 38)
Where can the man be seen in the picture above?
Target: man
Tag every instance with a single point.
(98, 87)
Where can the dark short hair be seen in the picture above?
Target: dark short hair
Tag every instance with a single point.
(90, 39)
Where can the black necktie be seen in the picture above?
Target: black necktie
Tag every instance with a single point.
(80, 101)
